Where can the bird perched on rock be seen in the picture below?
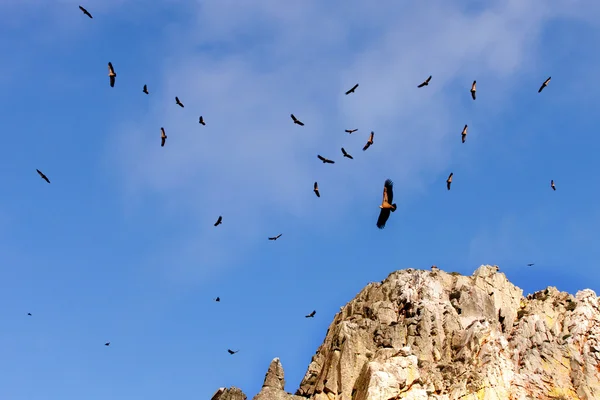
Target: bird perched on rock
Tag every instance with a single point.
(387, 204)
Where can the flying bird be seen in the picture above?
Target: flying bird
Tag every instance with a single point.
(351, 130)
(530, 264)
(449, 180)
(107, 344)
(145, 90)
(369, 142)
(179, 103)
(86, 12)
(346, 154)
(201, 120)
(219, 221)
(325, 160)
(296, 120)
(316, 189)
(387, 204)
(163, 137)
(464, 133)
(276, 237)
(352, 90)
(311, 315)
(552, 185)
(231, 351)
(111, 74)
(218, 299)
(29, 313)
(44, 177)
(546, 82)
(473, 89)
(425, 83)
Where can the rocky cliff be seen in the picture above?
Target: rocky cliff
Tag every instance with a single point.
(436, 335)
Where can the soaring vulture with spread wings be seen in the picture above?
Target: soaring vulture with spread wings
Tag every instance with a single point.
(112, 75)
(387, 204)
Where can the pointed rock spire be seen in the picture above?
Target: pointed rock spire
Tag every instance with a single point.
(274, 377)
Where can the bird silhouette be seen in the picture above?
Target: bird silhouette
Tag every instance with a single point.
(29, 314)
(325, 160)
(201, 120)
(351, 130)
(296, 120)
(346, 154)
(311, 315)
(387, 204)
(449, 180)
(530, 264)
(145, 89)
(112, 75)
(219, 221)
(552, 185)
(231, 351)
(44, 177)
(369, 142)
(316, 189)
(218, 299)
(464, 134)
(276, 237)
(425, 83)
(107, 344)
(474, 89)
(86, 12)
(178, 102)
(352, 90)
(163, 137)
(546, 82)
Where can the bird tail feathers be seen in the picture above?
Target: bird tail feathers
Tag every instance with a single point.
(393, 207)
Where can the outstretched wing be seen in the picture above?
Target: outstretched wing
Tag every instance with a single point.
(384, 214)
(388, 190)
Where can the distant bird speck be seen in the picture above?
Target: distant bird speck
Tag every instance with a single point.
(201, 120)
(369, 142)
(86, 12)
(351, 130)
(449, 180)
(325, 160)
(474, 90)
(219, 221)
(145, 89)
(311, 315)
(387, 203)
(346, 154)
(44, 177)
(179, 103)
(296, 120)
(276, 237)
(163, 137)
(352, 90)
(425, 83)
(316, 189)
(231, 351)
(112, 75)
(546, 82)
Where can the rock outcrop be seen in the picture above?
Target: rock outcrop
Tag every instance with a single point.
(436, 335)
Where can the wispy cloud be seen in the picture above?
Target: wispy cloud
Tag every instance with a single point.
(246, 66)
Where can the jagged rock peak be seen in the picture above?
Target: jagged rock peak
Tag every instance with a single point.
(422, 334)
(274, 377)
(232, 393)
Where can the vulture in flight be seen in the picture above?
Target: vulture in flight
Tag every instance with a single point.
(29, 313)
(86, 12)
(296, 120)
(219, 221)
(546, 82)
(464, 133)
(145, 90)
(231, 351)
(111, 74)
(387, 204)
(178, 102)
(369, 142)
(351, 130)
(201, 120)
(552, 184)
(325, 160)
(346, 154)
(425, 83)
(352, 90)
(316, 189)
(218, 299)
(449, 180)
(276, 237)
(311, 315)
(530, 264)
(473, 89)
(163, 137)
(107, 344)
(44, 177)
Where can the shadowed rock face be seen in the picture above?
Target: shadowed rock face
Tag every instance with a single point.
(437, 335)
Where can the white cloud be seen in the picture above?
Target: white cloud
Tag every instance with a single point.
(245, 66)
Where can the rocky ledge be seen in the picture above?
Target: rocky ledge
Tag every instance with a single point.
(435, 335)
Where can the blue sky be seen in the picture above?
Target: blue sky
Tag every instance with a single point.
(120, 247)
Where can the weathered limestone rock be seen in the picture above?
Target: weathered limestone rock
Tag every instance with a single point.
(435, 335)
